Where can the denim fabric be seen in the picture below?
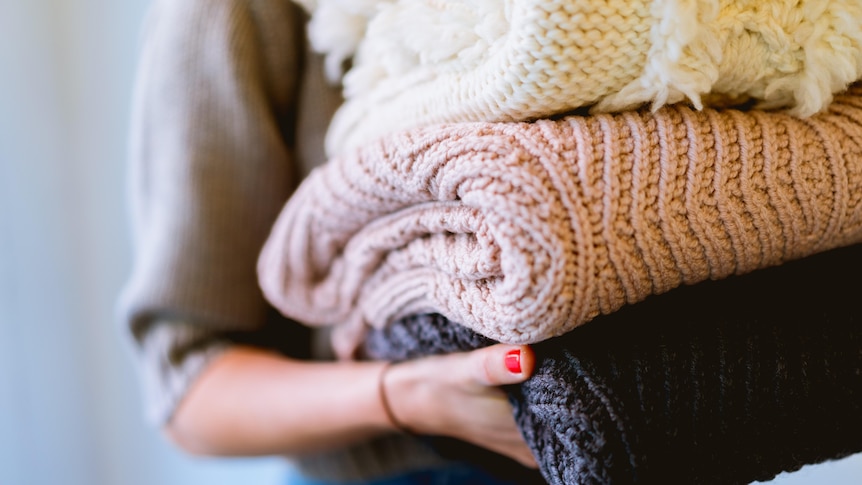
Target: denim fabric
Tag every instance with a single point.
(452, 475)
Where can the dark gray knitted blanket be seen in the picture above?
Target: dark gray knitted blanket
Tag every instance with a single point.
(724, 382)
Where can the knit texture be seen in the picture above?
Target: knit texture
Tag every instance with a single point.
(202, 156)
(523, 231)
(730, 382)
(217, 93)
(417, 62)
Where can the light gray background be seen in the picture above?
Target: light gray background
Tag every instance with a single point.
(69, 410)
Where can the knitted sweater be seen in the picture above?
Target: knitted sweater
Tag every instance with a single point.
(222, 125)
(228, 113)
(724, 382)
(419, 62)
(523, 231)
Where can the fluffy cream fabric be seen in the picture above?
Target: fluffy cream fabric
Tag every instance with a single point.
(418, 62)
(523, 231)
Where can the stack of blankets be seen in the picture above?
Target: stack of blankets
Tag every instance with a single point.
(664, 197)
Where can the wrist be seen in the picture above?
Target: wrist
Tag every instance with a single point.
(385, 402)
(411, 397)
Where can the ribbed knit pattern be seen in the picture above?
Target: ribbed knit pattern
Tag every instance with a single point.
(419, 62)
(524, 231)
(724, 382)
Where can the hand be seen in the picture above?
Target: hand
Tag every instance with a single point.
(457, 395)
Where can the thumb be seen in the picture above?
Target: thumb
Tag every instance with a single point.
(502, 364)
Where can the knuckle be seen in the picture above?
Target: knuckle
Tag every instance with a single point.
(487, 375)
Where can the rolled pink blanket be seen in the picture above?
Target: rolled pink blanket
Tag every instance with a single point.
(523, 231)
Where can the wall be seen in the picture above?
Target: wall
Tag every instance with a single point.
(69, 410)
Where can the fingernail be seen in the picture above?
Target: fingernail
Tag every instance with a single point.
(513, 361)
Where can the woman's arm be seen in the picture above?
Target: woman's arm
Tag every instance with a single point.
(252, 402)
(211, 167)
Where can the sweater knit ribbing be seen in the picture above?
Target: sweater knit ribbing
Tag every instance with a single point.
(523, 231)
(724, 382)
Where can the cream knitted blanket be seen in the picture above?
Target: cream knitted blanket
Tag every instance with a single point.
(419, 62)
(523, 231)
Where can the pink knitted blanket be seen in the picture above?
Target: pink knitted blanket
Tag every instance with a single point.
(523, 231)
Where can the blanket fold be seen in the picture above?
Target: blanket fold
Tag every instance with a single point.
(724, 382)
(524, 231)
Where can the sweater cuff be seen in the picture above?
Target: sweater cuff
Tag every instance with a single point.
(170, 358)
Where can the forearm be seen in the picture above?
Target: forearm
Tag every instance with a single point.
(249, 402)
(252, 402)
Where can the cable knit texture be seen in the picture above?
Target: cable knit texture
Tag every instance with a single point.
(730, 382)
(523, 231)
(417, 62)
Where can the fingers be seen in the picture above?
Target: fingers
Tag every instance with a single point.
(456, 395)
(525, 457)
(502, 364)
(512, 446)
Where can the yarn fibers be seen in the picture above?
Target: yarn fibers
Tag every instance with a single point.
(421, 62)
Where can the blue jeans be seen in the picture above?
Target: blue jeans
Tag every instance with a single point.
(451, 475)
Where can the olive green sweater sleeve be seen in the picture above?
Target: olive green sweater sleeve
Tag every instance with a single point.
(210, 167)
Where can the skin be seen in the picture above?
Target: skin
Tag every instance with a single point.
(250, 402)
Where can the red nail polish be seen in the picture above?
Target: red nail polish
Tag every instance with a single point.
(513, 361)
